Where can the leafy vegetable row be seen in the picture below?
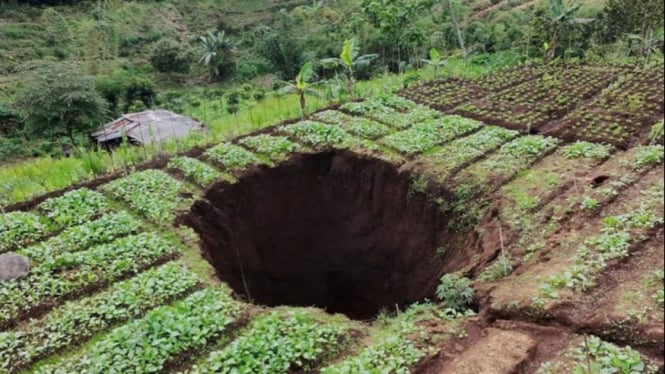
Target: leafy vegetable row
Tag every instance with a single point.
(71, 274)
(146, 345)
(103, 230)
(77, 321)
(277, 343)
(153, 193)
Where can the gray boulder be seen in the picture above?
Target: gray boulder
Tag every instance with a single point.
(13, 266)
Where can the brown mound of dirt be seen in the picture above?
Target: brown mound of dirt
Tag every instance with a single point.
(336, 230)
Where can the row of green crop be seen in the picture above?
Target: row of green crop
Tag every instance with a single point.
(18, 229)
(376, 110)
(278, 343)
(77, 321)
(197, 171)
(70, 274)
(426, 135)
(105, 229)
(461, 152)
(276, 148)
(358, 126)
(146, 345)
(617, 234)
(153, 193)
(231, 157)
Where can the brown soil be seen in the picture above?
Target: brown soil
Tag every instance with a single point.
(336, 230)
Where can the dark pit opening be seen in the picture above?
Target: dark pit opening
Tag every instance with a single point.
(335, 230)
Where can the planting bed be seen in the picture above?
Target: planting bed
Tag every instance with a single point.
(233, 259)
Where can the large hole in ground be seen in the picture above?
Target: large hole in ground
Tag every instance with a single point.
(334, 230)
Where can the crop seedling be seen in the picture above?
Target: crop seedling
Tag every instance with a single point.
(455, 291)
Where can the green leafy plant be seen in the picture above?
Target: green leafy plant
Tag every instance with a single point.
(231, 156)
(277, 343)
(595, 356)
(351, 60)
(455, 291)
(202, 173)
(275, 147)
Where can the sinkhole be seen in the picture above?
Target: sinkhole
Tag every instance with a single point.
(335, 230)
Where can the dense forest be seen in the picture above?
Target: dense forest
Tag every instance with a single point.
(109, 57)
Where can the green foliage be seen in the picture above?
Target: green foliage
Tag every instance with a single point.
(595, 356)
(277, 343)
(153, 193)
(217, 53)
(74, 322)
(392, 353)
(657, 134)
(317, 134)
(648, 156)
(202, 173)
(358, 126)
(455, 291)
(145, 345)
(581, 149)
(528, 146)
(424, 136)
(59, 100)
(232, 157)
(19, 229)
(171, 56)
(68, 274)
(589, 203)
(105, 229)
(500, 268)
(74, 207)
(275, 147)
(127, 91)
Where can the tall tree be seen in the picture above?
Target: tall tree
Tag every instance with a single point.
(216, 51)
(351, 60)
(59, 100)
(558, 18)
(458, 28)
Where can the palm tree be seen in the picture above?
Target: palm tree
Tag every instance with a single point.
(351, 60)
(435, 60)
(558, 18)
(215, 49)
(302, 86)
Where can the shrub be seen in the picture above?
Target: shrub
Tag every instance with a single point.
(171, 56)
(455, 291)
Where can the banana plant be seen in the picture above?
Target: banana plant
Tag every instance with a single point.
(302, 86)
(350, 59)
(435, 60)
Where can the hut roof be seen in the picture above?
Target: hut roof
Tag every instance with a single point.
(149, 126)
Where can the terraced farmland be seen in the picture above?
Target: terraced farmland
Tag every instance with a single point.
(326, 245)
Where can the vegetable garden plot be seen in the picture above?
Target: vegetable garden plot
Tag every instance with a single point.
(440, 163)
(358, 126)
(532, 104)
(75, 207)
(622, 114)
(387, 115)
(232, 157)
(197, 171)
(537, 185)
(147, 344)
(447, 94)
(18, 229)
(317, 135)
(426, 135)
(276, 148)
(77, 321)
(279, 343)
(71, 274)
(153, 193)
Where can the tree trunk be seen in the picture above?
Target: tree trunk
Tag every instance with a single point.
(554, 42)
(302, 105)
(458, 29)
